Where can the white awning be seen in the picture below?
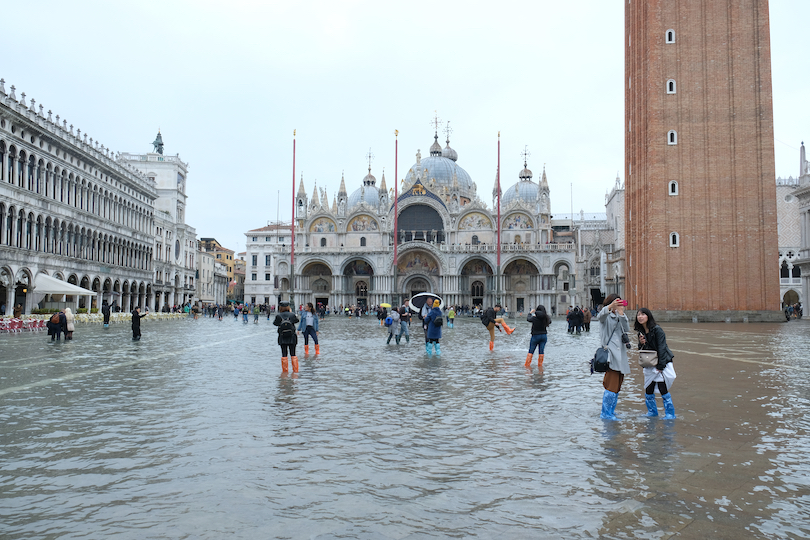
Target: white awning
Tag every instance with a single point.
(45, 284)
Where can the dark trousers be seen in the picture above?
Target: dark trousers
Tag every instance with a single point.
(310, 331)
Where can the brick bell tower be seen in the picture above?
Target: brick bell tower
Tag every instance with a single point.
(700, 219)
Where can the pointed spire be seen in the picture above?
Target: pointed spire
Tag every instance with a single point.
(301, 191)
(334, 204)
(315, 198)
(324, 199)
(544, 180)
(383, 188)
(342, 190)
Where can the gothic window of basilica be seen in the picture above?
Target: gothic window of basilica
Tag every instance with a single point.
(477, 289)
(362, 241)
(323, 242)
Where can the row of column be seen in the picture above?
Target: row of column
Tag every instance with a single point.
(83, 197)
(38, 236)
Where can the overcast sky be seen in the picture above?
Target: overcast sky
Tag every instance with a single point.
(228, 82)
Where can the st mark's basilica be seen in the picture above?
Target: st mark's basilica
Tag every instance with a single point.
(447, 243)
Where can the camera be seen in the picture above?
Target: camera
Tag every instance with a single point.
(626, 340)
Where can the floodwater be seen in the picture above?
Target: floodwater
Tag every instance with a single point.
(193, 432)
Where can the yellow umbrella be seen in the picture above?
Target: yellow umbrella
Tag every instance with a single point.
(385, 305)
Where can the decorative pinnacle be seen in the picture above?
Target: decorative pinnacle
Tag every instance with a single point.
(526, 154)
(370, 158)
(447, 131)
(396, 133)
(294, 133)
(435, 123)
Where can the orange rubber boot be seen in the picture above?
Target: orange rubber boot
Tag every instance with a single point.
(529, 360)
(284, 365)
(306, 349)
(540, 360)
(508, 330)
(295, 364)
(317, 349)
(491, 345)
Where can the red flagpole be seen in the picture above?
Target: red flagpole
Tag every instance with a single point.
(498, 276)
(292, 233)
(396, 214)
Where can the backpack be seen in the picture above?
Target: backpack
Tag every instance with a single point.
(286, 329)
(55, 318)
(389, 321)
(438, 321)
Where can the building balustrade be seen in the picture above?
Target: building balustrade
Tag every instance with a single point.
(443, 247)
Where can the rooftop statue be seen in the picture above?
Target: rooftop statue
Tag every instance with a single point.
(158, 143)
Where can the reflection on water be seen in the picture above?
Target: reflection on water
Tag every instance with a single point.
(193, 432)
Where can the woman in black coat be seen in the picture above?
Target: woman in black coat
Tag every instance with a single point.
(287, 338)
(651, 337)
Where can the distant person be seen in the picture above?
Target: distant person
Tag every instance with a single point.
(491, 320)
(136, 323)
(451, 317)
(586, 319)
(69, 324)
(287, 339)
(405, 322)
(433, 321)
(18, 311)
(540, 323)
(651, 337)
(391, 321)
(55, 326)
(105, 311)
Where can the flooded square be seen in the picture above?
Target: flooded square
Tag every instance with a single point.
(194, 432)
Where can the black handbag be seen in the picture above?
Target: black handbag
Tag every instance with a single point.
(600, 362)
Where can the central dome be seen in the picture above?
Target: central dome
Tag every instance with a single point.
(441, 166)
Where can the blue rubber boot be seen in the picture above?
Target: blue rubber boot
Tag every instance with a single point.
(609, 400)
(437, 349)
(652, 408)
(427, 348)
(669, 408)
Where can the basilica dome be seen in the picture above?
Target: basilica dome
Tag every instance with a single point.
(441, 165)
(368, 193)
(525, 190)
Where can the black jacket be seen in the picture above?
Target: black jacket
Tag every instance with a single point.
(656, 340)
(289, 340)
(136, 319)
(488, 316)
(538, 326)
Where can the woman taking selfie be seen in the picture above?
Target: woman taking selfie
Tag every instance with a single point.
(613, 334)
(651, 337)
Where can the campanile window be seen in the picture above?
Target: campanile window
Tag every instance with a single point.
(672, 137)
(671, 88)
(670, 36)
(674, 240)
